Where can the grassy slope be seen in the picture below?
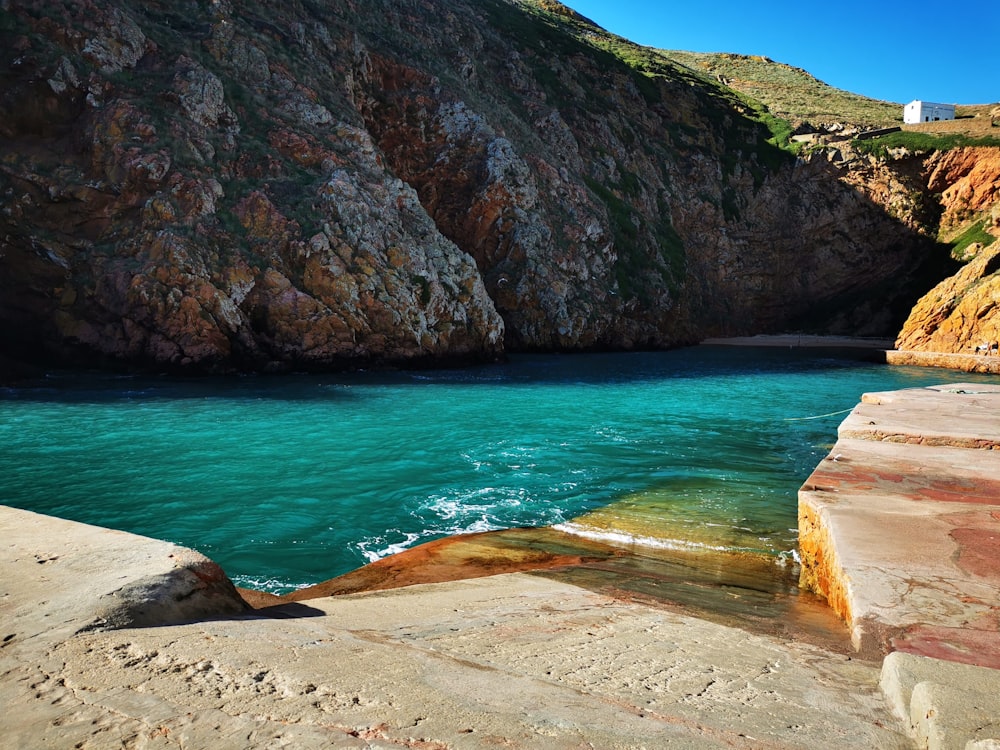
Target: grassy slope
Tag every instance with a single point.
(789, 92)
(773, 90)
(651, 64)
(793, 95)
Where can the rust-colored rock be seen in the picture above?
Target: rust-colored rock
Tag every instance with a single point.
(968, 180)
(960, 315)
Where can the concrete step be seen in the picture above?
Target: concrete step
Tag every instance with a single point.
(949, 706)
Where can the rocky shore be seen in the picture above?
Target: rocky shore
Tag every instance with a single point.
(514, 660)
(527, 660)
(982, 361)
(965, 362)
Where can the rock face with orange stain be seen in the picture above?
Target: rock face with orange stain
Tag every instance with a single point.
(961, 314)
(900, 525)
(968, 180)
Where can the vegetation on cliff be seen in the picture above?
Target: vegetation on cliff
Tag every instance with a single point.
(261, 185)
(921, 142)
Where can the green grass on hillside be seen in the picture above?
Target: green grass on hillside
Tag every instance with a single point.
(785, 94)
(649, 64)
(921, 142)
(975, 233)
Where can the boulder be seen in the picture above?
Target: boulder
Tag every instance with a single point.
(86, 578)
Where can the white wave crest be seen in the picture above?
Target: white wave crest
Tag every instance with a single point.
(372, 550)
(623, 539)
(270, 585)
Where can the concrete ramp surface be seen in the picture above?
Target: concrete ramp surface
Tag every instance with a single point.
(899, 528)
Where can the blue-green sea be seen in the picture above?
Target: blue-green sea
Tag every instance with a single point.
(291, 480)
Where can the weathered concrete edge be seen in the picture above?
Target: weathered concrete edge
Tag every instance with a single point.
(94, 578)
(945, 704)
(819, 507)
(821, 569)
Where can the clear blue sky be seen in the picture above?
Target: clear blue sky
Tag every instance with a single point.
(945, 51)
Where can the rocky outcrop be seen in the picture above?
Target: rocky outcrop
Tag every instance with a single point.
(154, 224)
(960, 314)
(218, 188)
(968, 181)
(820, 248)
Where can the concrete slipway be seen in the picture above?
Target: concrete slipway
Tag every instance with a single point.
(900, 527)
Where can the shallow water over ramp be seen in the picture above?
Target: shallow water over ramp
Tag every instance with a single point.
(752, 591)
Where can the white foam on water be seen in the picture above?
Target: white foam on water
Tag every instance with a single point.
(270, 585)
(629, 540)
(370, 551)
(620, 538)
(288, 480)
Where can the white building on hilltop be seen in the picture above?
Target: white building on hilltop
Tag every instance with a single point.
(918, 111)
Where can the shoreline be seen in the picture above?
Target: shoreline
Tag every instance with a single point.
(875, 349)
(519, 660)
(988, 364)
(795, 341)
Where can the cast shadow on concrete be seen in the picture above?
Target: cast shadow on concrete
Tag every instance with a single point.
(286, 611)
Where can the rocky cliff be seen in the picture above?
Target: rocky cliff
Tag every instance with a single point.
(959, 315)
(267, 185)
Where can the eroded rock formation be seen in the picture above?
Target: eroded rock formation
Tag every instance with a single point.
(960, 315)
(264, 186)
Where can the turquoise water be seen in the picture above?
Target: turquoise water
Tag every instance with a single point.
(293, 480)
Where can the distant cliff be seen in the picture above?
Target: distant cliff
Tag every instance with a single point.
(307, 184)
